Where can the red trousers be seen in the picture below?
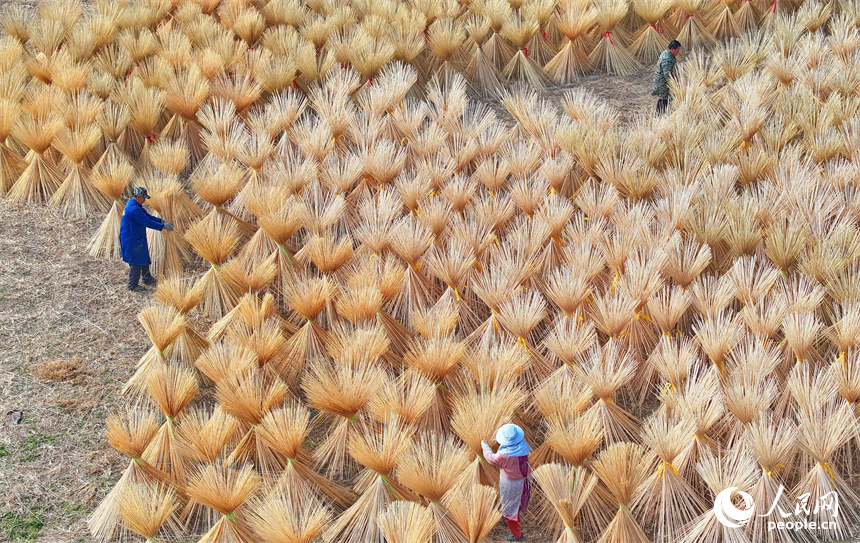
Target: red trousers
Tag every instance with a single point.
(514, 526)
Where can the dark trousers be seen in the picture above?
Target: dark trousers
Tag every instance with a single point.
(662, 105)
(135, 273)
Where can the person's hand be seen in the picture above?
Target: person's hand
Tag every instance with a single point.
(168, 226)
(484, 444)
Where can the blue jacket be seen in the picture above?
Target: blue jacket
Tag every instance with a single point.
(132, 233)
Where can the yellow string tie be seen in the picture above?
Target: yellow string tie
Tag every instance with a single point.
(669, 388)
(614, 280)
(662, 468)
(456, 293)
(827, 469)
(643, 315)
(610, 400)
(522, 342)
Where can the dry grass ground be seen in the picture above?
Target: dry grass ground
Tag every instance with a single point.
(69, 339)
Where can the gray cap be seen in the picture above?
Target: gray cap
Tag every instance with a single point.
(140, 191)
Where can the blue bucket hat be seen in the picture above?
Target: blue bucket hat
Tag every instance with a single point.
(512, 440)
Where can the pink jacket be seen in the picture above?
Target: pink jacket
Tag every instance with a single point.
(509, 465)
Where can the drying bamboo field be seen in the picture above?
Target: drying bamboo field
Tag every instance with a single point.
(400, 225)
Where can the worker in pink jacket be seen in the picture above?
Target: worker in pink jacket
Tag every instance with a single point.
(515, 477)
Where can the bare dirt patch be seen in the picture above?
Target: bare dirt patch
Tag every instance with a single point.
(69, 339)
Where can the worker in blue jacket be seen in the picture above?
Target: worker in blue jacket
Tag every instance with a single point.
(132, 239)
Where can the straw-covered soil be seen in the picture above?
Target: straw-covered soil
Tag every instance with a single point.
(69, 340)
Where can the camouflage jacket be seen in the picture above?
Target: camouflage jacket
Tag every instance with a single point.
(662, 73)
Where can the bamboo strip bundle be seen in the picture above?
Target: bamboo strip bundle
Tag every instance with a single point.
(610, 53)
(712, 294)
(700, 405)
(476, 414)
(623, 467)
(717, 336)
(308, 297)
(113, 120)
(431, 467)
(748, 395)
(171, 389)
(452, 265)
(567, 490)
(725, 24)
(674, 359)
(689, 19)
(734, 469)
(41, 178)
(11, 163)
(475, 510)
(145, 106)
(763, 319)
(214, 239)
(202, 436)
(650, 40)
(406, 522)
(248, 396)
(606, 371)
(642, 276)
(666, 498)
(820, 441)
(378, 451)
(772, 442)
(169, 249)
(437, 358)
(519, 316)
(497, 51)
(667, 307)
(339, 392)
(163, 326)
(810, 388)
(76, 196)
(284, 430)
(575, 19)
(753, 278)
(228, 491)
(406, 398)
(520, 32)
(287, 517)
(148, 509)
(575, 435)
(130, 435)
(219, 361)
(570, 339)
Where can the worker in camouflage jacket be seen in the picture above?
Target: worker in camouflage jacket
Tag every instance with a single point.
(663, 73)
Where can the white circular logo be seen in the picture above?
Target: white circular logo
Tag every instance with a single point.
(729, 515)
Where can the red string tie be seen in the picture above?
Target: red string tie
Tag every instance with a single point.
(150, 138)
(525, 51)
(543, 33)
(608, 34)
(657, 28)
